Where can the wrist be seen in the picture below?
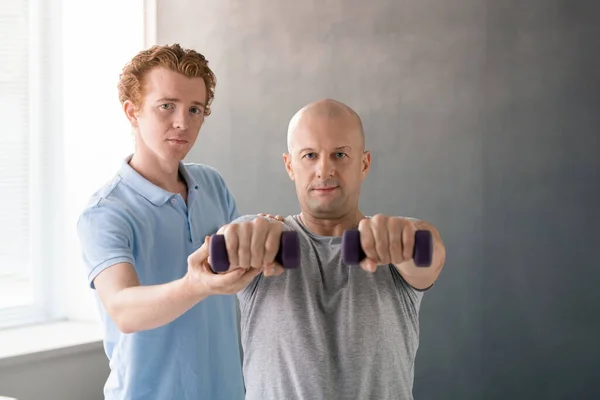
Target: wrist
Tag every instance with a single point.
(192, 288)
(410, 270)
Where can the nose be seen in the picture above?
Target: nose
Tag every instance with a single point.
(325, 168)
(181, 119)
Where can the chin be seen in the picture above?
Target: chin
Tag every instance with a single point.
(326, 211)
(172, 155)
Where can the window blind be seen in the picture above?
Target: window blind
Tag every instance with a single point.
(15, 139)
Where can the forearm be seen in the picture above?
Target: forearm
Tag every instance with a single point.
(424, 277)
(140, 308)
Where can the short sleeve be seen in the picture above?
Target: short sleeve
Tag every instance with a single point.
(106, 239)
(232, 210)
(232, 206)
(410, 296)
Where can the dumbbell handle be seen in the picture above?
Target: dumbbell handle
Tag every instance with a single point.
(352, 251)
(287, 256)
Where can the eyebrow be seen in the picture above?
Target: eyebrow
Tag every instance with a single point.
(175, 100)
(336, 149)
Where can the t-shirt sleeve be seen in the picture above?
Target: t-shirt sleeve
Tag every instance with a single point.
(106, 239)
(411, 296)
(404, 283)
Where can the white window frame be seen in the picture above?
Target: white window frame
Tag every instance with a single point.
(45, 166)
(57, 273)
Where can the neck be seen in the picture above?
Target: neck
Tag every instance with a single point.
(331, 227)
(163, 174)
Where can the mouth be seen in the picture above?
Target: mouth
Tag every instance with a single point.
(177, 141)
(325, 190)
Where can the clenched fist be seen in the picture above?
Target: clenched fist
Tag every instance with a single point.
(254, 244)
(386, 240)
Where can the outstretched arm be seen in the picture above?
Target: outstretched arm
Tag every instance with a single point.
(134, 307)
(106, 239)
(391, 240)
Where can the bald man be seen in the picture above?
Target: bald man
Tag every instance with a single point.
(329, 330)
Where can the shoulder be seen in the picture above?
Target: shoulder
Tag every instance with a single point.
(205, 173)
(106, 206)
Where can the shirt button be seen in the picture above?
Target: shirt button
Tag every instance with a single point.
(173, 201)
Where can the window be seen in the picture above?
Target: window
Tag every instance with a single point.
(62, 135)
(21, 163)
(15, 282)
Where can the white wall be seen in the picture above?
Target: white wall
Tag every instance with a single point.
(65, 375)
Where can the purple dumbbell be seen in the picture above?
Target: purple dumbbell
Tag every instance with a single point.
(287, 256)
(352, 252)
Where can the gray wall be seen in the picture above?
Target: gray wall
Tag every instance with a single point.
(482, 117)
(541, 210)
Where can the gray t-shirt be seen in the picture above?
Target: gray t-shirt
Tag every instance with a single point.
(327, 330)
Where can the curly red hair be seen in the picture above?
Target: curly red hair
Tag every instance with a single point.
(173, 57)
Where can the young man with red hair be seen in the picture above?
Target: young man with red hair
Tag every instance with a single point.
(170, 327)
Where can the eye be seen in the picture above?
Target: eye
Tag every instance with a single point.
(196, 110)
(166, 106)
(310, 155)
(341, 155)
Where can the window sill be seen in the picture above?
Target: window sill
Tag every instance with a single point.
(35, 343)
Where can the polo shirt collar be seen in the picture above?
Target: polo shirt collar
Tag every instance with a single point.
(154, 194)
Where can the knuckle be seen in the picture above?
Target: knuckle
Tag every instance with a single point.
(409, 225)
(379, 218)
(271, 246)
(259, 222)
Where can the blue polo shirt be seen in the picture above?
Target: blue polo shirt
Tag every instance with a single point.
(131, 220)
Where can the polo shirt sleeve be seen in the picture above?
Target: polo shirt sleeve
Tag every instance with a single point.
(232, 206)
(230, 202)
(106, 239)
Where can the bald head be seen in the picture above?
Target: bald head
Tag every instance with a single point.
(326, 159)
(326, 109)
